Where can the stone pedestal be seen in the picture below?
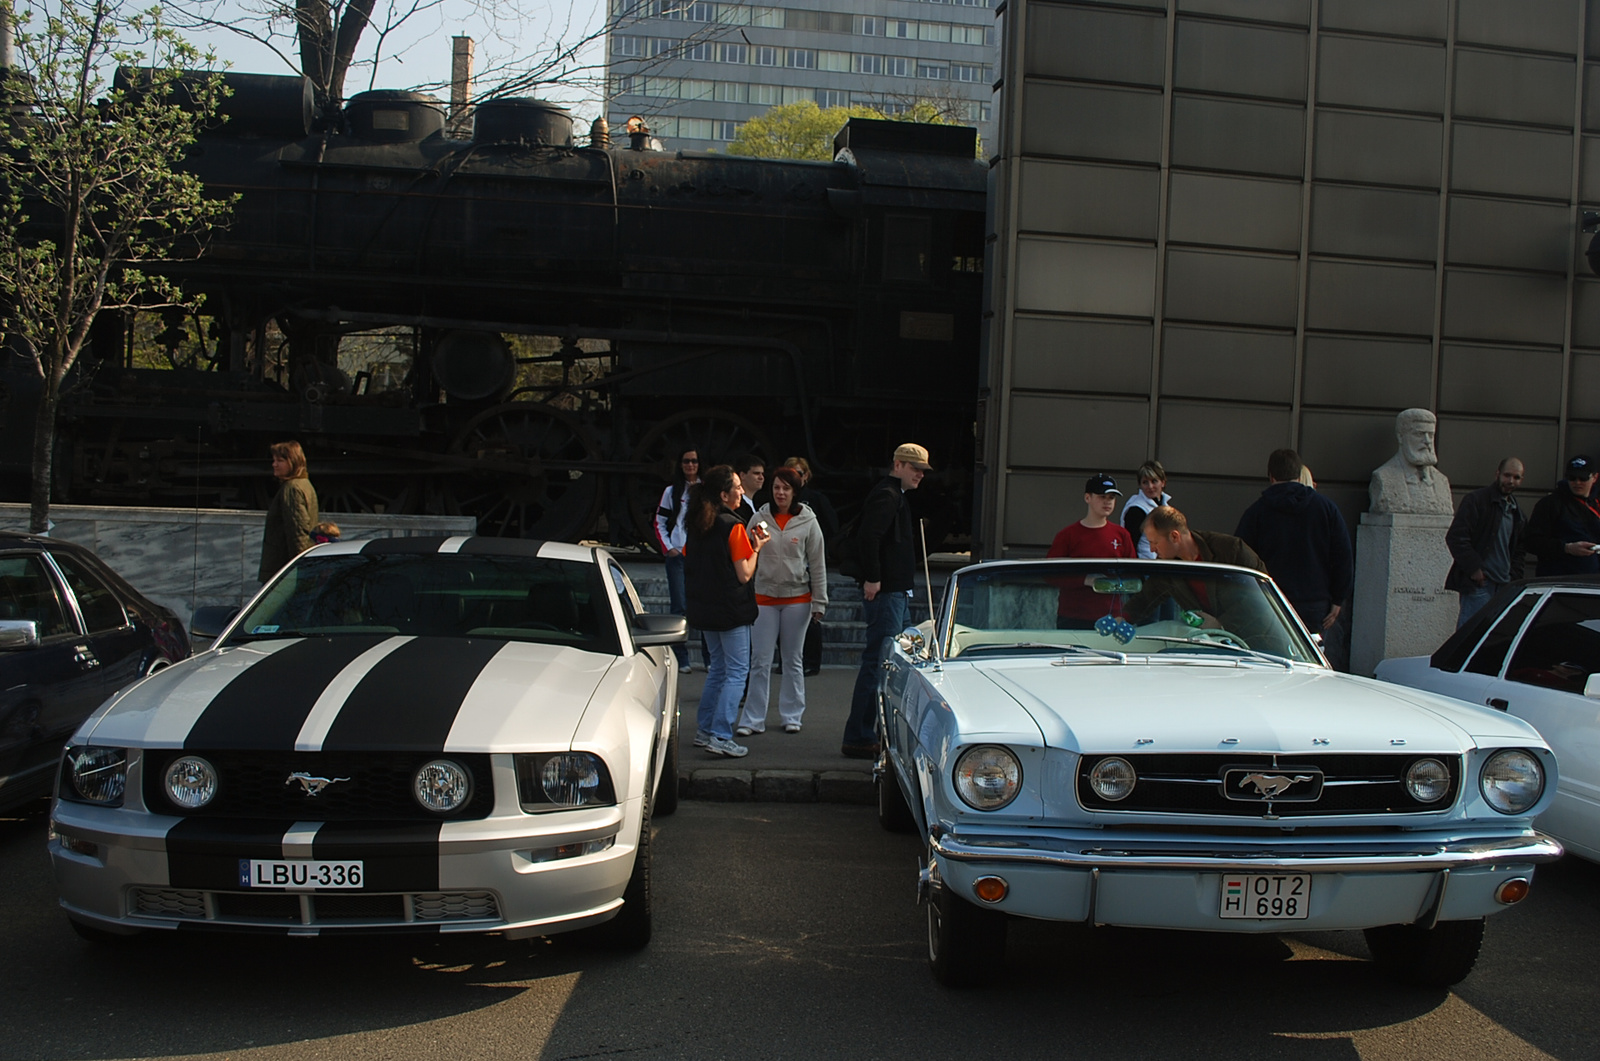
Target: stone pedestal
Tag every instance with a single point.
(1401, 605)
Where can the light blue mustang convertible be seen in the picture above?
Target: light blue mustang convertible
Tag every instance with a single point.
(1160, 744)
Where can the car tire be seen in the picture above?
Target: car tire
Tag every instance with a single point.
(630, 929)
(101, 937)
(966, 944)
(1436, 957)
(667, 787)
(894, 813)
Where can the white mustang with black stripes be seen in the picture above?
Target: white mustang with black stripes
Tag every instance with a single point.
(451, 735)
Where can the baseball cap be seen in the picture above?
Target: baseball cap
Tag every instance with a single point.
(1580, 467)
(1101, 483)
(914, 455)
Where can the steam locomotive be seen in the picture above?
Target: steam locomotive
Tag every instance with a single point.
(503, 324)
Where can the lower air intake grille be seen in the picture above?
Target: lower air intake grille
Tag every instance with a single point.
(168, 902)
(454, 906)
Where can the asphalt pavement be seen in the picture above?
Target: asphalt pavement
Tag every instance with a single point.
(787, 931)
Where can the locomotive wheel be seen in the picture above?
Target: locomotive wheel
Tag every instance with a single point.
(721, 437)
(541, 502)
(380, 495)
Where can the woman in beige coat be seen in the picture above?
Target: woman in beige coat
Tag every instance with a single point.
(291, 514)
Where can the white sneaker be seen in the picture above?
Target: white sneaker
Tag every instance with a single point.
(685, 668)
(701, 738)
(725, 746)
(744, 731)
(791, 727)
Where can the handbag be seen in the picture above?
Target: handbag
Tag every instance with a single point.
(811, 654)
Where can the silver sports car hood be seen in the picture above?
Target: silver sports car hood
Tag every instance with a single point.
(1203, 706)
(375, 692)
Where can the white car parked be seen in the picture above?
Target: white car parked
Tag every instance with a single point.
(1534, 652)
(443, 735)
(1160, 744)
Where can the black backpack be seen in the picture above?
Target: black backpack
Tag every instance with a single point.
(844, 556)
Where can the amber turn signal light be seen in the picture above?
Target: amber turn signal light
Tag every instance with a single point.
(1512, 891)
(993, 889)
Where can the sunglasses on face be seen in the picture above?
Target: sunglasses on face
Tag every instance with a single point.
(690, 460)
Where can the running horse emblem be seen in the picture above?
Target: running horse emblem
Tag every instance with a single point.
(1270, 785)
(312, 786)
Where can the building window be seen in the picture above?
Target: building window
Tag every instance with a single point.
(765, 95)
(836, 61)
(689, 88)
(622, 86)
(732, 92)
(733, 53)
(933, 72)
(767, 16)
(897, 66)
(727, 130)
(764, 56)
(671, 10)
(968, 35)
(969, 72)
(663, 46)
(664, 127)
(869, 26)
(702, 12)
(832, 97)
(794, 93)
(801, 59)
(900, 27)
(869, 64)
(733, 14)
(666, 87)
(630, 46)
(933, 31)
(695, 128)
(698, 51)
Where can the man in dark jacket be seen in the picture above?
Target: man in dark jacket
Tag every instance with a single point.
(1304, 540)
(1170, 536)
(1564, 528)
(1485, 541)
(886, 542)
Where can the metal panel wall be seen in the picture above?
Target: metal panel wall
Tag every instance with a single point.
(1226, 226)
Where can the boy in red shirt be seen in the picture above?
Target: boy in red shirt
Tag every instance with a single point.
(1092, 536)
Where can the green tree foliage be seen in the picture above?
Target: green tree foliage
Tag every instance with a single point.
(804, 130)
(90, 193)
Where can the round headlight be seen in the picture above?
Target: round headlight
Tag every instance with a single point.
(99, 775)
(1113, 779)
(571, 779)
(1512, 781)
(1427, 780)
(191, 782)
(988, 777)
(442, 786)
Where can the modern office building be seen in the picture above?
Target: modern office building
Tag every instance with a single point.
(695, 71)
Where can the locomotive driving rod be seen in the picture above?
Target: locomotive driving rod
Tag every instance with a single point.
(794, 353)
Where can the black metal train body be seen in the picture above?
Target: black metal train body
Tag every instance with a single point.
(829, 309)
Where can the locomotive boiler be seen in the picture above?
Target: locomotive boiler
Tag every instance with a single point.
(504, 324)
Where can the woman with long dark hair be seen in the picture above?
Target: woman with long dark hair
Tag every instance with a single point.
(791, 593)
(670, 534)
(291, 513)
(719, 564)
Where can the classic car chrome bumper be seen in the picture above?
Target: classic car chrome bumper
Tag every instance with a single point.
(1413, 856)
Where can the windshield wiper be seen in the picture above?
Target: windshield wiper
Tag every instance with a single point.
(1208, 642)
(1120, 657)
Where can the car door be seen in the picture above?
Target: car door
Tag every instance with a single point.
(1477, 681)
(119, 645)
(1543, 683)
(45, 691)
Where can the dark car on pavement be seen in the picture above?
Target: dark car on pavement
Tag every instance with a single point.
(72, 632)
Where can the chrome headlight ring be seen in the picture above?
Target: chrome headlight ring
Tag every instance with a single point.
(1511, 780)
(987, 777)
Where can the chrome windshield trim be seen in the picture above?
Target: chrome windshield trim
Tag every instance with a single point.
(1376, 857)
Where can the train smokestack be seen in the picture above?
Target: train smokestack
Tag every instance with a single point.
(460, 124)
(600, 132)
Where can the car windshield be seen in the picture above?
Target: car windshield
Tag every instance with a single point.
(517, 598)
(1147, 608)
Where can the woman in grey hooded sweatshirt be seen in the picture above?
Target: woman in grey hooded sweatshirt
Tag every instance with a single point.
(791, 592)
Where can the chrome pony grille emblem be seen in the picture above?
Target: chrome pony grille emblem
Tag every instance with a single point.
(1257, 785)
(312, 786)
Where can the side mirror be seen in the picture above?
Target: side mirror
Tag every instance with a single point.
(659, 630)
(18, 634)
(1591, 688)
(912, 643)
(211, 620)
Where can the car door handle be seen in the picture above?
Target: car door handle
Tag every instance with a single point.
(84, 656)
(1498, 704)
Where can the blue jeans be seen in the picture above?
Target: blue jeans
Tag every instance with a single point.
(885, 616)
(1473, 600)
(677, 600)
(727, 668)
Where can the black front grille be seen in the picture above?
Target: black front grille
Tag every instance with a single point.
(371, 786)
(1193, 784)
(360, 907)
(258, 907)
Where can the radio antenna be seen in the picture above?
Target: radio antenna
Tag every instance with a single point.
(927, 578)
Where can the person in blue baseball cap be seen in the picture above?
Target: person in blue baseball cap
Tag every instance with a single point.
(1564, 530)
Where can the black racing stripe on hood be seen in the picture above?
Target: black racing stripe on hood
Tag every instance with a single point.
(266, 704)
(409, 701)
(403, 857)
(402, 546)
(205, 852)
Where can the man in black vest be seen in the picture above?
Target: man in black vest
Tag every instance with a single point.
(887, 544)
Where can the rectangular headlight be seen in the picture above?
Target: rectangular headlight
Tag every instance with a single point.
(560, 780)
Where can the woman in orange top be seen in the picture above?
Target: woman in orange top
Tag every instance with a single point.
(791, 591)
